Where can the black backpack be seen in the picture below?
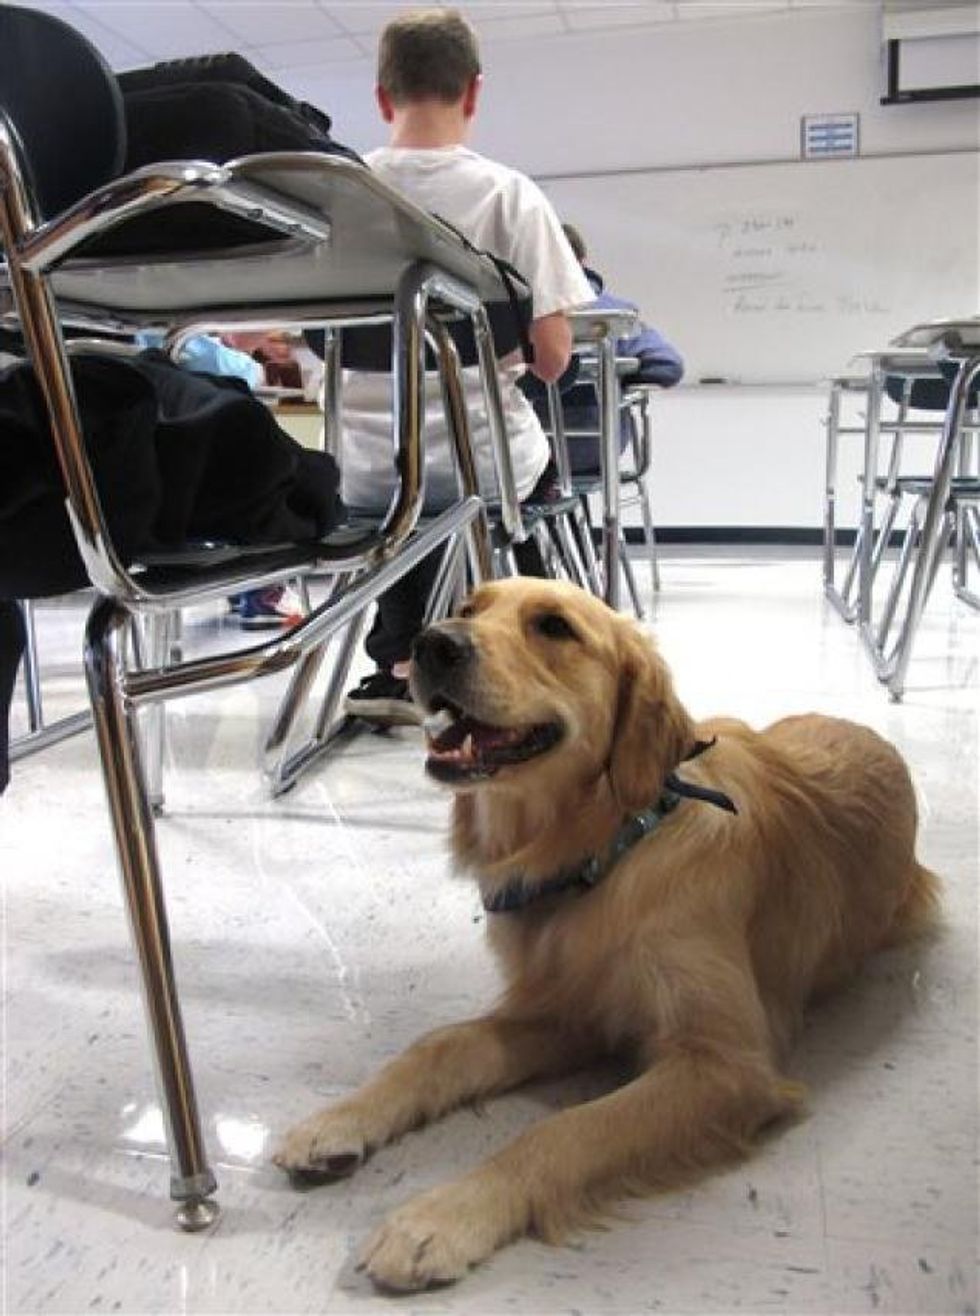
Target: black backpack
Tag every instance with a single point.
(216, 107)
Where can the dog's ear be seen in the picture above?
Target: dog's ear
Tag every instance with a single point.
(652, 732)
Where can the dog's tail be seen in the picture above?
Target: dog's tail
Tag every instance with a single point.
(918, 911)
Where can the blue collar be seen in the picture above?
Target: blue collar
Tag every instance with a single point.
(517, 895)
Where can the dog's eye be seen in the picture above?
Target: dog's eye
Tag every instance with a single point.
(553, 626)
(465, 611)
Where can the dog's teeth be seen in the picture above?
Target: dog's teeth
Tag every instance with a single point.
(436, 723)
(466, 749)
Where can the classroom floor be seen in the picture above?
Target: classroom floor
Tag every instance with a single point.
(317, 934)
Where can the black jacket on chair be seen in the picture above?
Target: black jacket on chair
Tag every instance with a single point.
(177, 457)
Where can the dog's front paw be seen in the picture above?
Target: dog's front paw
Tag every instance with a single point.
(434, 1239)
(329, 1145)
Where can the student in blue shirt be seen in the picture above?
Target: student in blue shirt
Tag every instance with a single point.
(659, 363)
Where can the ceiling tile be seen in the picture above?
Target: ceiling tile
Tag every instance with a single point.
(166, 30)
(591, 16)
(366, 20)
(302, 54)
(493, 9)
(116, 50)
(695, 9)
(518, 25)
(257, 22)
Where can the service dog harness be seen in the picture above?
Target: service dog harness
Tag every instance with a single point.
(517, 895)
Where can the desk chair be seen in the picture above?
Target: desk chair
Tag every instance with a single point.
(893, 375)
(348, 250)
(938, 362)
(586, 483)
(595, 334)
(943, 507)
(288, 754)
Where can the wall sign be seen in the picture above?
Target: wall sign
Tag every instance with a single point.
(824, 136)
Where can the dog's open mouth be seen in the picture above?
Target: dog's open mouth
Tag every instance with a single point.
(462, 748)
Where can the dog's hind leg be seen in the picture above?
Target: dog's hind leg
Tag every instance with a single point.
(919, 910)
(442, 1070)
(693, 1108)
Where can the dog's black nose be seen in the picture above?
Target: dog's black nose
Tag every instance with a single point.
(440, 649)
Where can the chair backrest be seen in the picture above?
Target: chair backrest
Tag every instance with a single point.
(61, 97)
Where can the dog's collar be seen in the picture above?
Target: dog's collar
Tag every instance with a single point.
(517, 895)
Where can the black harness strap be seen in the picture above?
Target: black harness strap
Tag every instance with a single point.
(517, 894)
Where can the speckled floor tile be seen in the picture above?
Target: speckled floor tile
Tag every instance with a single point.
(317, 934)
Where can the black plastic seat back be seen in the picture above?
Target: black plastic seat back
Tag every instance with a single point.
(930, 394)
(62, 98)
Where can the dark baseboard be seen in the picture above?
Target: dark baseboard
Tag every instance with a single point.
(739, 534)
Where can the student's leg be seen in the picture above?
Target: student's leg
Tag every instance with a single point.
(383, 697)
(401, 612)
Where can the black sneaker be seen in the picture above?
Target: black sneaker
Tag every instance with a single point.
(383, 698)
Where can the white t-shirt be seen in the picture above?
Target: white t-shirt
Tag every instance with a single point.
(502, 211)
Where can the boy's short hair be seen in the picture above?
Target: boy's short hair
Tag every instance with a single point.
(575, 241)
(427, 54)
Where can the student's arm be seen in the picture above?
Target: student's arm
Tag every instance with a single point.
(530, 237)
(551, 338)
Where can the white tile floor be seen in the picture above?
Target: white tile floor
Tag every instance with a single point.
(316, 935)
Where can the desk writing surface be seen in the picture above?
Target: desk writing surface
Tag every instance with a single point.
(781, 272)
(374, 233)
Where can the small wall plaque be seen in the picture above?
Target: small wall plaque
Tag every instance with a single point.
(823, 136)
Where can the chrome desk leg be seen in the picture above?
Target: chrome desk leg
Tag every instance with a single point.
(568, 551)
(830, 498)
(971, 544)
(869, 490)
(582, 523)
(649, 533)
(630, 578)
(446, 586)
(192, 1181)
(609, 464)
(282, 764)
(32, 675)
(38, 735)
(892, 667)
(158, 632)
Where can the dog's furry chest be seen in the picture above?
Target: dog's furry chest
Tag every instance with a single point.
(571, 961)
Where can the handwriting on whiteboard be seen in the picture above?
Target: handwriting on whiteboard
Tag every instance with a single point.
(770, 264)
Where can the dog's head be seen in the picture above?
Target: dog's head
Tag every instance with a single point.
(537, 683)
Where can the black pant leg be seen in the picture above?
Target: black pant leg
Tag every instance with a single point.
(401, 612)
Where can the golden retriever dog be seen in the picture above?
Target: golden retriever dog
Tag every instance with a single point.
(633, 913)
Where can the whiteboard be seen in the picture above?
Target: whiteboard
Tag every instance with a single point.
(779, 273)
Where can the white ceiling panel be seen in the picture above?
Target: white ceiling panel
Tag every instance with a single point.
(302, 54)
(518, 26)
(166, 30)
(116, 50)
(694, 9)
(284, 35)
(365, 20)
(593, 16)
(490, 9)
(257, 22)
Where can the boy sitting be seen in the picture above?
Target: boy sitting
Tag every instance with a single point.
(428, 88)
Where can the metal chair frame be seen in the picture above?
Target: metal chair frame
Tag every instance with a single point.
(944, 503)
(43, 286)
(578, 521)
(847, 598)
(286, 756)
(595, 333)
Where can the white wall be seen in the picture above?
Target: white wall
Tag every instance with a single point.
(674, 93)
(705, 92)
